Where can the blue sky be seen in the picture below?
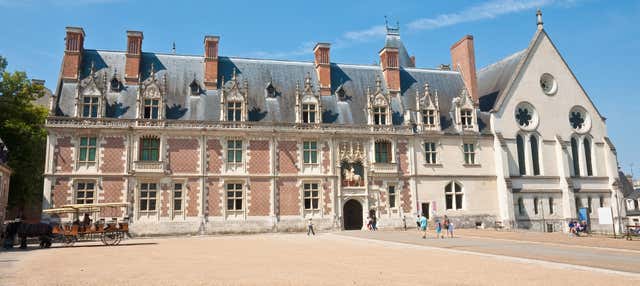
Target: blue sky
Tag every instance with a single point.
(599, 39)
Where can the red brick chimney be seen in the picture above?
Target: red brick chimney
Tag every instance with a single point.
(390, 68)
(211, 62)
(464, 61)
(323, 67)
(134, 56)
(72, 53)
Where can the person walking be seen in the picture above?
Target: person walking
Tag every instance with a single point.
(450, 229)
(445, 224)
(310, 227)
(418, 223)
(423, 226)
(438, 229)
(404, 222)
(374, 223)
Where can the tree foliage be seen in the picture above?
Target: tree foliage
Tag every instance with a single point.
(22, 130)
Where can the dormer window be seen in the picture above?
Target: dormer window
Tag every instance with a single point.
(378, 106)
(270, 91)
(115, 85)
(90, 106)
(195, 88)
(379, 116)
(466, 118)
(233, 101)
(308, 113)
(234, 111)
(429, 117)
(429, 109)
(90, 96)
(308, 104)
(151, 103)
(465, 112)
(151, 107)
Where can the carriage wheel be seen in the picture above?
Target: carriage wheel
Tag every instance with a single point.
(69, 240)
(110, 238)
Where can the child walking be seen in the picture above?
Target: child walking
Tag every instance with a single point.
(438, 229)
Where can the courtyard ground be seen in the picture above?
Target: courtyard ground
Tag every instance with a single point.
(340, 258)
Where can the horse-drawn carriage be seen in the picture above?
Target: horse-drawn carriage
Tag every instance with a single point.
(108, 232)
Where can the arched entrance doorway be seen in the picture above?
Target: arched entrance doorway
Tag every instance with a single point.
(352, 212)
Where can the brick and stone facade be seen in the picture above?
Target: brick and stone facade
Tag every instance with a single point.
(214, 144)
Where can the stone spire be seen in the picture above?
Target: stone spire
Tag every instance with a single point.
(539, 19)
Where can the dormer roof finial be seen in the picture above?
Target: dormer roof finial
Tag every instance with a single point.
(539, 19)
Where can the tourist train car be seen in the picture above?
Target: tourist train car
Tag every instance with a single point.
(109, 232)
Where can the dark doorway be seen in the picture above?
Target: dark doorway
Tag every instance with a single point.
(352, 212)
(425, 210)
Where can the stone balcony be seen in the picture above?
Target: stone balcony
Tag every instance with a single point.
(384, 168)
(148, 166)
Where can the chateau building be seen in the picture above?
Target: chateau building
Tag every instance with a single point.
(210, 144)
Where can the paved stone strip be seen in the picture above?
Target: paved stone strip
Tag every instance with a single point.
(543, 262)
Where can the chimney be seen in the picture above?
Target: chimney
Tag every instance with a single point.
(73, 53)
(211, 61)
(464, 61)
(390, 68)
(323, 67)
(134, 56)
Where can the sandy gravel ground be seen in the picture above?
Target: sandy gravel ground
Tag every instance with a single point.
(278, 259)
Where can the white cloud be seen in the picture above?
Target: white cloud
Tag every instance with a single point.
(483, 11)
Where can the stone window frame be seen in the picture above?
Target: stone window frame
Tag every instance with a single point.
(396, 196)
(470, 158)
(579, 165)
(380, 115)
(309, 112)
(522, 209)
(317, 150)
(184, 188)
(311, 197)
(85, 165)
(390, 152)
(151, 104)
(466, 119)
(434, 152)
(234, 111)
(235, 165)
(235, 213)
(76, 190)
(141, 147)
(453, 193)
(147, 214)
(429, 118)
(527, 163)
(311, 212)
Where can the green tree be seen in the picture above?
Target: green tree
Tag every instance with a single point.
(22, 130)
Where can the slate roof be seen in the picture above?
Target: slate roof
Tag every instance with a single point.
(494, 78)
(181, 70)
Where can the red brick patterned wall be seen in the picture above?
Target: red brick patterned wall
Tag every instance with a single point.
(192, 197)
(214, 155)
(326, 158)
(114, 152)
(64, 155)
(326, 197)
(258, 154)
(260, 197)
(406, 197)
(403, 156)
(287, 157)
(61, 191)
(112, 189)
(213, 197)
(383, 202)
(289, 197)
(183, 155)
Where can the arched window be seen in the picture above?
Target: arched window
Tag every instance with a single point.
(195, 88)
(383, 152)
(575, 157)
(453, 196)
(534, 155)
(521, 162)
(587, 156)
